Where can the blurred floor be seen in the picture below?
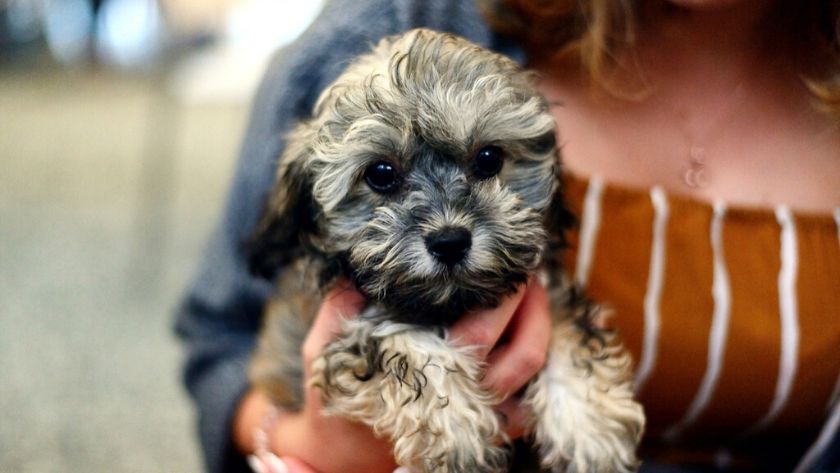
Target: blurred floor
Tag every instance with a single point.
(108, 189)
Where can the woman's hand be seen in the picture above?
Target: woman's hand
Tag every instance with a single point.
(307, 441)
(512, 339)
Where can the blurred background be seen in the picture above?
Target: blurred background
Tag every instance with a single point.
(119, 126)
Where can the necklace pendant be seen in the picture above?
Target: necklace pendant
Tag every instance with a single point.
(695, 177)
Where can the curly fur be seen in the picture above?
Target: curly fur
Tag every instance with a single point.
(426, 103)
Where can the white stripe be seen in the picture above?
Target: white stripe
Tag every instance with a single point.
(654, 288)
(835, 394)
(831, 426)
(589, 226)
(723, 459)
(789, 319)
(719, 330)
(837, 219)
(823, 441)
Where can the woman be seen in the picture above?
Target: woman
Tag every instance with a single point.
(706, 130)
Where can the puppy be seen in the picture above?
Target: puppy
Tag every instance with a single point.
(429, 176)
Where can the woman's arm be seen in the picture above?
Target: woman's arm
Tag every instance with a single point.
(327, 444)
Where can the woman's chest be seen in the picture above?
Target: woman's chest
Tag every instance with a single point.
(759, 153)
(733, 315)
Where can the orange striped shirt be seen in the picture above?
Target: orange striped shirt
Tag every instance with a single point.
(732, 314)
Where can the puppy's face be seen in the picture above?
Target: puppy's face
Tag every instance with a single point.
(426, 176)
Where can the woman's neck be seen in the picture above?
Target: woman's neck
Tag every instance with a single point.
(703, 52)
(682, 41)
(723, 112)
(716, 25)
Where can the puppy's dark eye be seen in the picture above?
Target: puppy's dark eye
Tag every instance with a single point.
(382, 177)
(488, 161)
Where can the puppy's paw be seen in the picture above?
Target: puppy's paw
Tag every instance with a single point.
(464, 443)
(411, 386)
(578, 437)
(443, 421)
(585, 419)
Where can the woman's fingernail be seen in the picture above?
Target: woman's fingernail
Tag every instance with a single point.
(277, 465)
(267, 463)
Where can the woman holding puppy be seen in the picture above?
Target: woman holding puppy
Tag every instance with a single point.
(702, 144)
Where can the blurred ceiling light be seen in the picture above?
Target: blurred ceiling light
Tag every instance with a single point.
(23, 20)
(129, 32)
(67, 27)
(254, 29)
(186, 18)
(264, 25)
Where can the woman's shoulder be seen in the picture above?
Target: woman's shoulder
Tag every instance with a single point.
(346, 29)
(372, 19)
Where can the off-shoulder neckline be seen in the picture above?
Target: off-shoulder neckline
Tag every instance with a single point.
(733, 211)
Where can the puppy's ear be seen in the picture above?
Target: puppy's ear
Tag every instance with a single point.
(558, 221)
(558, 218)
(288, 220)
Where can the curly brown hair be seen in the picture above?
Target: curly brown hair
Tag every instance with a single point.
(594, 31)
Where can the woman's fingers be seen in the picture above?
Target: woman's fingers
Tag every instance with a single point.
(342, 302)
(514, 418)
(525, 320)
(299, 438)
(482, 329)
(293, 465)
(512, 364)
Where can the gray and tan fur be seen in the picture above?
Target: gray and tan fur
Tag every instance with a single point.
(471, 205)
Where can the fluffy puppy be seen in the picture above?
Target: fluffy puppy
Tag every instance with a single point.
(429, 176)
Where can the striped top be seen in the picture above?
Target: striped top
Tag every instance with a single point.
(732, 314)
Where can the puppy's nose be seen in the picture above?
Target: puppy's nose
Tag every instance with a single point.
(450, 245)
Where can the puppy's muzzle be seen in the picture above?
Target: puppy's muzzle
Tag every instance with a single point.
(450, 245)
